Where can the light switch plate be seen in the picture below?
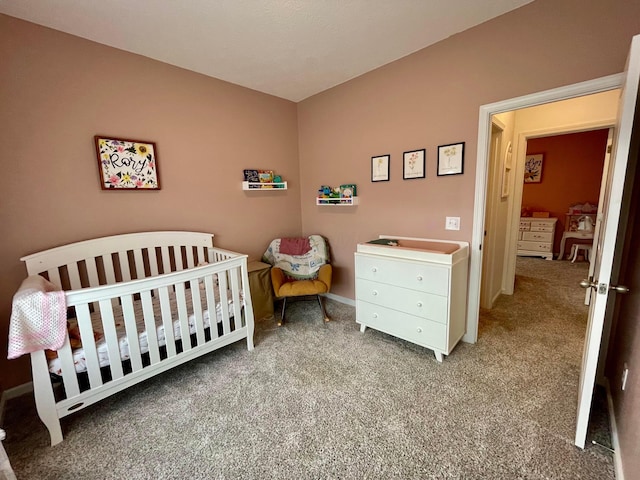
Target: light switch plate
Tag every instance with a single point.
(452, 223)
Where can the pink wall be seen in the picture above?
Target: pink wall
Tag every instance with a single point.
(571, 173)
(431, 98)
(58, 91)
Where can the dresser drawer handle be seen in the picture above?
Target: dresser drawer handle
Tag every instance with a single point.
(374, 269)
(419, 304)
(375, 315)
(374, 293)
(419, 329)
(419, 277)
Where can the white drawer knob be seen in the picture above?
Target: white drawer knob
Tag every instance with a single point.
(375, 315)
(419, 329)
(419, 278)
(419, 304)
(374, 269)
(374, 293)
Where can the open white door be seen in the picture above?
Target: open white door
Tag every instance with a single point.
(604, 184)
(606, 261)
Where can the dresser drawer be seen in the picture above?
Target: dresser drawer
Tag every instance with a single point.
(408, 327)
(538, 236)
(413, 302)
(542, 227)
(406, 274)
(525, 226)
(534, 246)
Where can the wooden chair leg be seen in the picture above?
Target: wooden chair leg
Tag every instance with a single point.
(324, 312)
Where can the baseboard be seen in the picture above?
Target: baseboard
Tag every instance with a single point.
(13, 393)
(338, 298)
(617, 460)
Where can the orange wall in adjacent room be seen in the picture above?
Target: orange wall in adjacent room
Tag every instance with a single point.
(571, 173)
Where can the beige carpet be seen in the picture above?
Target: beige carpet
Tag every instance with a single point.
(326, 401)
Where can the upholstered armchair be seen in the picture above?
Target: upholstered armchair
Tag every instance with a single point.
(300, 267)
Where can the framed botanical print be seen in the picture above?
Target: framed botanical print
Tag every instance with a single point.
(413, 164)
(380, 168)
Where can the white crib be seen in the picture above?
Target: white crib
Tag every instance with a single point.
(126, 288)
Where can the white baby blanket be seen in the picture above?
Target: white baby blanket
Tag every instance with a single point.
(38, 317)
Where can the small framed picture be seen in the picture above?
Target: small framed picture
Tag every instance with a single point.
(533, 168)
(451, 159)
(380, 168)
(413, 164)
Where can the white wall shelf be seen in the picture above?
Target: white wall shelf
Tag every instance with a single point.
(264, 186)
(338, 202)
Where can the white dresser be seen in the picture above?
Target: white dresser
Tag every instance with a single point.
(415, 290)
(535, 238)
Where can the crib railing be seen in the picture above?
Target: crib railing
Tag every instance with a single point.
(158, 271)
(224, 273)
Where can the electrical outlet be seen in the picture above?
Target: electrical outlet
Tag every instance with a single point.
(625, 374)
(452, 223)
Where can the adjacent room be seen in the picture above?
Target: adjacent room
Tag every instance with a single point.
(491, 143)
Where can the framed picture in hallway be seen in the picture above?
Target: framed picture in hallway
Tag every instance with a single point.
(533, 168)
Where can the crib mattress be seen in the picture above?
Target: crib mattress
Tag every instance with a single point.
(79, 356)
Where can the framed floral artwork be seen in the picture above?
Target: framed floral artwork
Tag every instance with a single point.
(451, 159)
(127, 164)
(380, 168)
(413, 164)
(533, 168)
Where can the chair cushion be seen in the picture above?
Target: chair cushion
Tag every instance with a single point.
(302, 287)
(299, 267)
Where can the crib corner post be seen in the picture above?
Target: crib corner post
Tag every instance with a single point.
(44, 397)
(248, 304)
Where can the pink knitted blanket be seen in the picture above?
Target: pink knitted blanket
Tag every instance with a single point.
(38, 317)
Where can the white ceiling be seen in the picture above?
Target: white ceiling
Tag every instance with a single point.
(288, 48)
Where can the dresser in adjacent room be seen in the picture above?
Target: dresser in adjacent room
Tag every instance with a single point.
(414, 289)
(535, 238)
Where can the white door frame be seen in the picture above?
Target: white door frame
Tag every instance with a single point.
(598, 85)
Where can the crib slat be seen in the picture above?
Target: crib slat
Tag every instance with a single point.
(190, 261)
(153, 262)
(111, 337)
(132, 332)
(197, 310)
(177, 253)
(92, 272)
(139, 263)
(167, 321)
(124, 266)
(68, 368)
(224, 302)
(89, 345)
(235, 294)
(211, 306)
(54, 277)
(109, 271)
(74, 276)
(166, 260)
(181, 302)
(150, 326)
